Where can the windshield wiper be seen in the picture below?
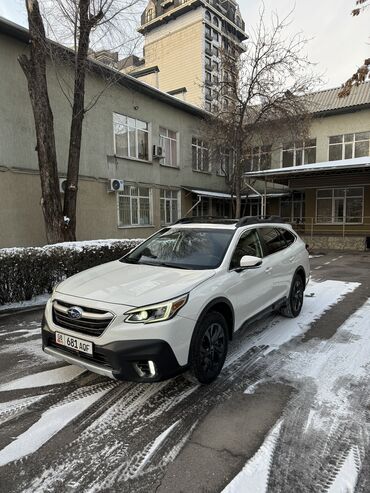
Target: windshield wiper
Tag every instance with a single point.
(165, 264)
(129, 261)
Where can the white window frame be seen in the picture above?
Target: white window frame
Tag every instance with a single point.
(172, 141)
(201, 147)
(297, 149)
(256, 157)
(132, 199)
(333, 222)
(170, 199)
(148, 131)
(343, 144)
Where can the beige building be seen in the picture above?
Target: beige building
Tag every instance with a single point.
(325, 181)
(183, 43)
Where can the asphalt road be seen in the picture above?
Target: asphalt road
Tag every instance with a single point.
(290, 412)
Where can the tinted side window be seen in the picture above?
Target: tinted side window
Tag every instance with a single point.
(248, 244)
(288, 236)
(273, 240)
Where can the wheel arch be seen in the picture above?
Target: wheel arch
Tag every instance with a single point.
(223, 306)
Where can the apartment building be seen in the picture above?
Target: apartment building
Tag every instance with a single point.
(183, 44)
(325, 181)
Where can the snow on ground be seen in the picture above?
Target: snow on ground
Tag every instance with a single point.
(255, 474)
(36, 301)
(51, 421)
(333, 368)
(9, 409)
(42, 379)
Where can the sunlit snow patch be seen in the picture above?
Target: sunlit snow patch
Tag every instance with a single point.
(46, 427)
(255, 474)
(42, 379)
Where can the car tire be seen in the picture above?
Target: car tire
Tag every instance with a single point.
(294, 304)
(208, 348)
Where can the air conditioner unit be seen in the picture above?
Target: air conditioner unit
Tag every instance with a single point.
(62, 185)
(158, 152)
(115, 185)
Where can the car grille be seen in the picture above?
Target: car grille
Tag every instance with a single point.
(92, 321)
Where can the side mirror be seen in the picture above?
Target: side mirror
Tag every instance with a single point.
(249, 261)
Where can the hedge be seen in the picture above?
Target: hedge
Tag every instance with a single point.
(31, 271)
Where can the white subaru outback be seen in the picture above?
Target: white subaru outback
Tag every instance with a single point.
(174, 302)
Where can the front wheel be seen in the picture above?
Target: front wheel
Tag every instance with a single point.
(294, 303)
(209, 348)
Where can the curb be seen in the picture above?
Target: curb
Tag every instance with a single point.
(16, 311)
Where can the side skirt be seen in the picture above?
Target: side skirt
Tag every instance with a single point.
(267, 311)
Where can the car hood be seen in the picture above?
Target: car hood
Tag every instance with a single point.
(132, 284)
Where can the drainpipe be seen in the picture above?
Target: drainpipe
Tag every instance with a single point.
(194, 206)
(261, 197)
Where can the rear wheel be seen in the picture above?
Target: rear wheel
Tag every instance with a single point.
(209, 348)
(294, 304)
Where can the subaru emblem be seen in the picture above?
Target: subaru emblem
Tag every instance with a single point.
(75, 312)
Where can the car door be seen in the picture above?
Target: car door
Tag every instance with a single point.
(248, 289)
(276, 260)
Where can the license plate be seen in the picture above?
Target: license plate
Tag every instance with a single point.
(74, 343)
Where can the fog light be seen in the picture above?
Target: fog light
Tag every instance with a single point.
(151, 368)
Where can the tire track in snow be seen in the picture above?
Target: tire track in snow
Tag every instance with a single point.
(130, 417)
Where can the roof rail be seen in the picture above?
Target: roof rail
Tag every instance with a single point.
(248, 220)
(206, 219)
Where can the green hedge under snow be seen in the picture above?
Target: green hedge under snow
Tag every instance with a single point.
(31, 271)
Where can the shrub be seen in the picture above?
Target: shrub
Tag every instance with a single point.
(31, 271)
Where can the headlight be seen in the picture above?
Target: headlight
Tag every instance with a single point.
(156, 313)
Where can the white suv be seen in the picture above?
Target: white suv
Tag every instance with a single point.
(175, 301)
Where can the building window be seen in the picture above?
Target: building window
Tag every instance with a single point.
(216, 22)
(339, 205)
(209, 33)
(134, 206)
(168, 140)
(349, 146)
(208, 93)
(200, 155)
(216, 36)
(208, 16)
(169, 206)
(149, 14)
(298, 153)
(226, 162)
(131, 137)
(208, 106)
(208, 63)
(258, 158)
(208, 77)
(209, 50)
(292, 208)
(216, 52)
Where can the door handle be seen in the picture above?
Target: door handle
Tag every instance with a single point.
(292, 259)
(268, 270)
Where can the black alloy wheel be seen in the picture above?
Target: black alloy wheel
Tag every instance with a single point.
(209, 348)
(294, 304)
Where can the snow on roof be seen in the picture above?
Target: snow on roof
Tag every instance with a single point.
(360, 162)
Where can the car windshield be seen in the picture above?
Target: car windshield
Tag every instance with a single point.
(183, 248)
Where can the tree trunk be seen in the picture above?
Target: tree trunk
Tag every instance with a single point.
(34, 69)
(78, 113)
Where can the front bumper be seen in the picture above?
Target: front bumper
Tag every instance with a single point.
(121, 360)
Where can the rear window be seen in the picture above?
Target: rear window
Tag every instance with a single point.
(273, 240)
(287, 235)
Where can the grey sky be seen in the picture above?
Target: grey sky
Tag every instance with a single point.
(339, 42)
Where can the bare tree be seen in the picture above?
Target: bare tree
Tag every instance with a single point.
(259, 99)
(81, 21)
(362, 73)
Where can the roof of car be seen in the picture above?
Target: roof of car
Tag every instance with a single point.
(225, 223)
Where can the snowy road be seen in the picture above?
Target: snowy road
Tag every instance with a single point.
(290, 412)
